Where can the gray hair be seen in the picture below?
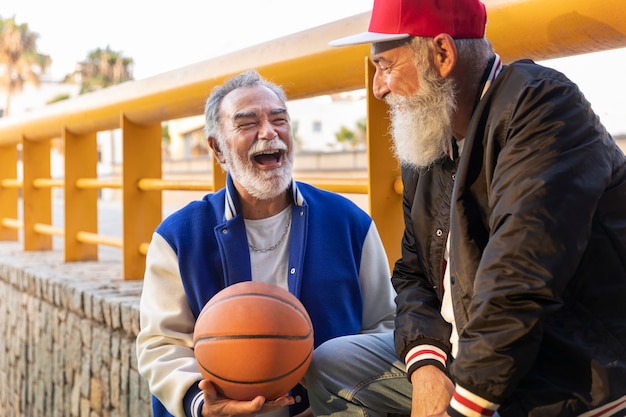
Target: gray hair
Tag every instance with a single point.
(475, 53)
(249, 78)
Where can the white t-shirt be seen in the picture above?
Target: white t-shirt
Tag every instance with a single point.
(446, 304)
(270, 260)
(269, 256)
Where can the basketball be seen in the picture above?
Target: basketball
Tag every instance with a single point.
(253, 338)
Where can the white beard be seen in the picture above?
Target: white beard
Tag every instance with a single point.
(260, 184)
(421, 125)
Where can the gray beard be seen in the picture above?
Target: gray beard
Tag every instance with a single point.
(421, 125)
(260, 184)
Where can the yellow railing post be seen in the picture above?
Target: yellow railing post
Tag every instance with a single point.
(37, 201)
(8, 196)
(219, 176)
(385, 204)
(142, 210)
(81, 205)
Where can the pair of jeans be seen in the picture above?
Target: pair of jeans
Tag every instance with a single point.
(358, 375)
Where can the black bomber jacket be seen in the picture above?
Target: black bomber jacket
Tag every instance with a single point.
(537, 214)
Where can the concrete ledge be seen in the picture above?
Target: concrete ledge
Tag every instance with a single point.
(68, 337)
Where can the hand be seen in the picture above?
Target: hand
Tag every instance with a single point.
(216, 405)
(432, 392)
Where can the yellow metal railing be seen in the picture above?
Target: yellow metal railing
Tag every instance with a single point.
(302, 63)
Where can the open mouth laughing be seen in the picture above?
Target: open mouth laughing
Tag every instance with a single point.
(269, 159)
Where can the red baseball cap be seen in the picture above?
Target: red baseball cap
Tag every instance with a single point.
(398, 19)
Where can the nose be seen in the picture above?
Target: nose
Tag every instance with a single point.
(267, 130)
(381, 89)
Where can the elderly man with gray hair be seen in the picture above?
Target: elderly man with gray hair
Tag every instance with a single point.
(263, 226)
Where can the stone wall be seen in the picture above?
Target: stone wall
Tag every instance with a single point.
(68, 338)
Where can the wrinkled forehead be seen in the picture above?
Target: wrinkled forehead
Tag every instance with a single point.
(250, 99)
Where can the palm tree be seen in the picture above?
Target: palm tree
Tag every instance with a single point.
(351, 138)
(103, 68)
(20, 62)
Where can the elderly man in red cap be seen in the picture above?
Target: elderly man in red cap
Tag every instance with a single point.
(512, 281)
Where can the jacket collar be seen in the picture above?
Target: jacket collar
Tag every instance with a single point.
(494, 71)
(231, 202)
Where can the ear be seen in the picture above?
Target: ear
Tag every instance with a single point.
(216, 149)
(445, 54)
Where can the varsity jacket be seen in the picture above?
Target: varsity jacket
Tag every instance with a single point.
(337, 268)
(536, 217)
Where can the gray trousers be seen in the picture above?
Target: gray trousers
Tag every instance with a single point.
(358, 375)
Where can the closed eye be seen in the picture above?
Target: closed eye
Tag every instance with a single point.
(246, 125)
(382, 64)
(384, 68)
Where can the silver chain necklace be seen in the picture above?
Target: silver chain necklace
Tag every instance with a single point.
(275, 245)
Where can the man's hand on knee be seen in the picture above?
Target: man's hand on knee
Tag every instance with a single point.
(432, 392)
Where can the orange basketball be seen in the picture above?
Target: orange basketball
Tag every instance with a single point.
(253, 338)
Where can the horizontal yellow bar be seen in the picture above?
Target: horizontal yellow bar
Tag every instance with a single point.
(94, 238)
(47, 229)
(143, 248)
(307, 67)
(12, 223)
(95, 183)
(150, 184)
(11, 183)
(398, 186)
(547, 29)
(355, 185)
(48, 183)
(348, 188)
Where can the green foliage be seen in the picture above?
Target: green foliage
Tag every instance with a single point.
(361, 126)
(351, 138)
(165, 134)
(104, 68)
(295, 134)
(20, 62)
(60, 97)
(345, 135)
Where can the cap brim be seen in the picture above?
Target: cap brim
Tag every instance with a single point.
(368, 37)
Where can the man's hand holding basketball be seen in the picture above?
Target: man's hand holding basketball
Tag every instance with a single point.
(216, 405)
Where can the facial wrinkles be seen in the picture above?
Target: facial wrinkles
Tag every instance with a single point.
(422, 123)
(396, 70)
(261, 184)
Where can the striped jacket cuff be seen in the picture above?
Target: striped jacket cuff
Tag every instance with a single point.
(425, 354)
(196, 405)
(615, 408)
(464, 403)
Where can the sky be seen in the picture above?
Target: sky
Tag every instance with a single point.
(161, 36)
(164, 35)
